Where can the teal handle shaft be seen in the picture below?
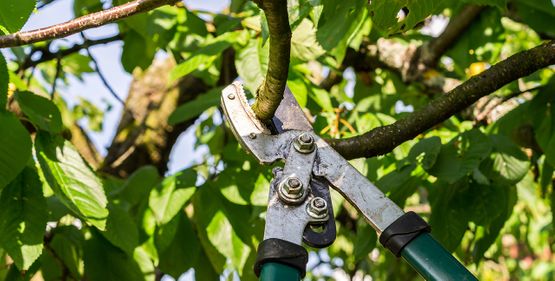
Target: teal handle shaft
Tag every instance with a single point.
(274, 271)
(433, 262)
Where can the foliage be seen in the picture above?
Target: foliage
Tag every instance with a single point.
(486, 188)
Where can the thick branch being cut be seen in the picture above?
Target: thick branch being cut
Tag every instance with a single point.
(270, 93)
(82, 23)
(382, 140)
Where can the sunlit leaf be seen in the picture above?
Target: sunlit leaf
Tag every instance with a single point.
(169, 197)
(15, 150)
(191, 109)
(14, 14)
(72, 180)
(23, 218)
(41, 111)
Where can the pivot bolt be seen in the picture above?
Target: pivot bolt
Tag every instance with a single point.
(304, 143)
(291, 190)
(318, 208)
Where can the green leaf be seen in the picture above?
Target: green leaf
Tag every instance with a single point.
(222, 235)
(178, 246)
(538, 14)
(449, 219)
(4, 80)
(71, 179)
(504, 199)
(105, 262)
(139, 184)
(23, 218)
(365, 240)
(251, 62)
(121, 230)
(84, 7)
(385, 13)
(334, 31)
(426, 152)
(205, 55)
(303, 42)
(507, 163)
(41, 111)
(76, 65)
(15, 150)
(169, 197)
(14, 14)
(194, 108)
(461, 156)
(67, 245)
(137, 51)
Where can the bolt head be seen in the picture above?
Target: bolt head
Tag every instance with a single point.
(304, 143)
(318, 207)
(293, 186)
(231, 96)
(252, 136)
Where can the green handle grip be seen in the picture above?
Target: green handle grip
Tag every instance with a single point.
(433, 262)
(274, 271)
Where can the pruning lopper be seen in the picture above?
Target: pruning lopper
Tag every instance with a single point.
(300, 207)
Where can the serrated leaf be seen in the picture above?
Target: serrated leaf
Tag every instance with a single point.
(507, 163)
(15, 150)
(71, 179)
(14, 14)
(426, 152)
(67, 244)
(121, 229)
(251, 62)
(222, 235)
(449, 219)
(461, 156)
(137, 51)
(23, 218)
(204, 56)
(178, 245)
(4, 80)
(303, 42)
(194, 108)
(41, 111)
(169, 197)
(104, 262)
(334, 31)
(365, 240)
(139, 184)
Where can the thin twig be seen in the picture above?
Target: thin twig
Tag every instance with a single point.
(58, 70)
(96, 68)
(82, 23)
(47, 55)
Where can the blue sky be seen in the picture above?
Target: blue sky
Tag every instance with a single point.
(108, 58)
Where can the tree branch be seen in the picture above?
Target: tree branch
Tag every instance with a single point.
(47, 55)
(270, 93)
(82, 23)
(96, 68)
(383, 139)
(433, 50)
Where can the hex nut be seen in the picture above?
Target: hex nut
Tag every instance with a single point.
(318, 208)
(304, 143)
(291, 190)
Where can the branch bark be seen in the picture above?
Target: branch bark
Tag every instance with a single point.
(383, 139)
(270, 93)
(82, 23)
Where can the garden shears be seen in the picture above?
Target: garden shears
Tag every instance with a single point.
(299, 203)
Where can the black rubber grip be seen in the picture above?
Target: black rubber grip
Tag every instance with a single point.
(285, 252)
(402, 231)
